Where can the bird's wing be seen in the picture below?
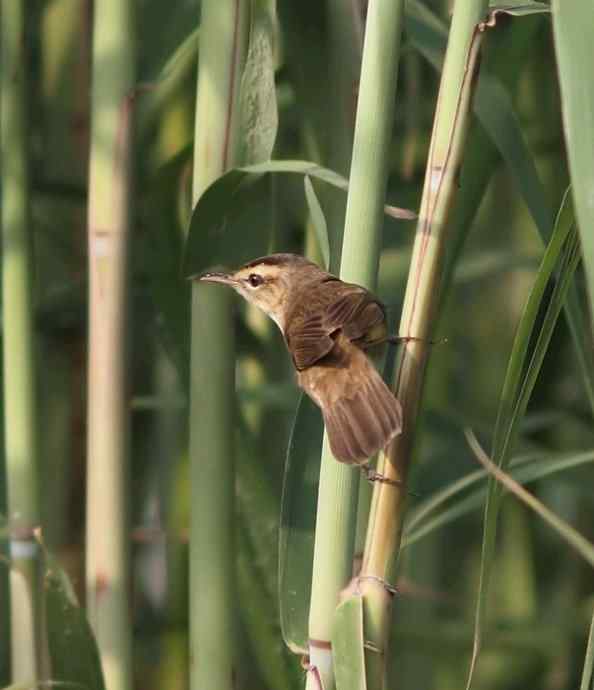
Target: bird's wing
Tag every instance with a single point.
(354, 312)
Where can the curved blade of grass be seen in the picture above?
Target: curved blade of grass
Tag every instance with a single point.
(496, 112)
(176, 73)
(220, 218)
(520, 10)
(522, 469)
(348, 645)
(161, 255)
(573, 31)
(318, 220)
(588, 660)
(72, 646)
(297, 524)
(266, 652)
(560, 260)
(564, 529)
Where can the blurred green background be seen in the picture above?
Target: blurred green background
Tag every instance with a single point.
(542, 593)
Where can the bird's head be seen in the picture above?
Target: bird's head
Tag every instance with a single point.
(268, 282)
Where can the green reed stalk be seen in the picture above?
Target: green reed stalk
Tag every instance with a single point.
(337, 501)
(20, 422)
(223, 45)
(107, 548)
(421, 300)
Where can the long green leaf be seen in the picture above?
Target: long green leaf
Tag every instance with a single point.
(226, 224)
(297, 524)
(523, 469)
(257, 98)
(175, 75)
(573, 30)
(318, 220)
(560, 258)
(588, 671)
(496, 113)
(73, 650)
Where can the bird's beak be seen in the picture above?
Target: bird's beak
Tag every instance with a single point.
(223, 278)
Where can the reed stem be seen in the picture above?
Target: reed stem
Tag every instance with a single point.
(213, 609)
(421, 301)
(107, 548)
(20, 415)
(339, 484)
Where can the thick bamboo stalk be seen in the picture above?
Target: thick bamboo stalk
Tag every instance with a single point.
(421, 300)
(223, 44)
(20, 424)
(337, 501)
(107, 548)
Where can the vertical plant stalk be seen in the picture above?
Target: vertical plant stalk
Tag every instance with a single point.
(421, 300)
(107, 548)
(223, 45)
(338, 492)
(20, 424)
(344, 67)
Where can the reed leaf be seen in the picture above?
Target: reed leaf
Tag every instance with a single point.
(573, 31)
(568, 533)
(297, 523)
(73, 650)
(523, 469)
(234, 201)
(257, 99)
(588, 671)
(560, 258)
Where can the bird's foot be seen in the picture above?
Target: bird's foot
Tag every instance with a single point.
(372, 476)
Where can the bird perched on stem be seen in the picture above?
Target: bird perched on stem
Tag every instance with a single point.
(328, 325)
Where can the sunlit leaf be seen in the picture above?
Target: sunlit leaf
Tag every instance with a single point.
(573, 31)
(348, 645)
(587, 673)
(318, 220)
(563, 528)
(258, 108)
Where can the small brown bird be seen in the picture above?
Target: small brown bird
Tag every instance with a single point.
(328, 326)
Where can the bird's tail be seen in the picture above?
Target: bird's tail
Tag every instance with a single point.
(365, 421)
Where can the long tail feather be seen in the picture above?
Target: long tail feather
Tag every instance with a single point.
(360, 425)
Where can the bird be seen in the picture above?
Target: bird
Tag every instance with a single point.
(328, 326)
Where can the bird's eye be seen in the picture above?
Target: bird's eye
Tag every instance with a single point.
(255, 280)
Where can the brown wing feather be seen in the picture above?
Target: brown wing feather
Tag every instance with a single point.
(345, 308)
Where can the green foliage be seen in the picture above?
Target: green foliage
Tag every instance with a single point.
(297, 523)
(514, 305)
(72, 647)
